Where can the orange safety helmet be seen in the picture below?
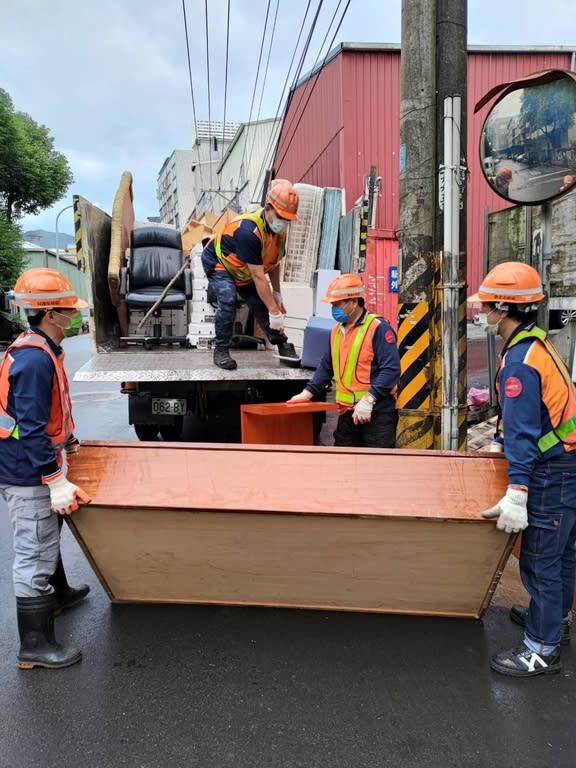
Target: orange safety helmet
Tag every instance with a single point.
(510, 282)
(346, 286)
(42, 288)
(505, 173)
(284, 199)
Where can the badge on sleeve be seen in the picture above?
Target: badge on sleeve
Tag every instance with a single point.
(389, 337)
(513, 387)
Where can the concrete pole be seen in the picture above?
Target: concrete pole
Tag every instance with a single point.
(451, 81)
(417, 260)
(433, 67)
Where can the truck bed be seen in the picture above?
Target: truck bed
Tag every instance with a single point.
(186, 365)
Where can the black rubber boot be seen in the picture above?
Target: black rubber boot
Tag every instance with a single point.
(518, 616)
(38, 646)
(287, 351)
(223, 360)
(66, 596)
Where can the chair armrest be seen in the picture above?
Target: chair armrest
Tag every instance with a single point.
(188, 283)
(123, 282)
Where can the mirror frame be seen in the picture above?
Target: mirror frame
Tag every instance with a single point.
(501, 91)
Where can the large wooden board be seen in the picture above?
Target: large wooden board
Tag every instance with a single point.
(390, 531)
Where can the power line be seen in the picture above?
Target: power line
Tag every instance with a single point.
(207, 65)
(225, 82)
(273, 138)
(264, 80)
(316, 79)
(192, 91)
(256, 80)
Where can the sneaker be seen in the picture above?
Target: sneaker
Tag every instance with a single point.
(522, 662)
(286, 349)
(223, 360)
(518, 615)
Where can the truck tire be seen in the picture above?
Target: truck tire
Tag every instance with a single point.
(165, 237)
(146, 432)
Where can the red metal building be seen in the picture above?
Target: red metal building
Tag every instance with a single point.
(346, 116)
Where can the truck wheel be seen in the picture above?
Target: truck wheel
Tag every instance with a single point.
(146, 432)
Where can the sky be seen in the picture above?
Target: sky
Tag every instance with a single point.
(110, 80)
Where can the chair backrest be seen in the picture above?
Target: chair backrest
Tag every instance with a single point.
(153, 266)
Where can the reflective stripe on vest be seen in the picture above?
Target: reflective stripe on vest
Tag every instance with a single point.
(565, 432)
(243, 274)
(8, 425)
(343, 393)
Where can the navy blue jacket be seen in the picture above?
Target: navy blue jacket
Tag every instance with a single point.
(24, 461)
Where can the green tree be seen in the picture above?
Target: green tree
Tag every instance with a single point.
(12, 255)
(33, 175)
(548, 111)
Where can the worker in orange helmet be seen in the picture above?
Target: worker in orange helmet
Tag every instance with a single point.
(244, 259)
(503, 180)
(537, 431)
(364, 362)
(36, 432)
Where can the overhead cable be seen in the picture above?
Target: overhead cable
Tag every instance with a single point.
(320, 68)
(192, 92)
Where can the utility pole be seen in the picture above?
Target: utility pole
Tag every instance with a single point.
(434, 61)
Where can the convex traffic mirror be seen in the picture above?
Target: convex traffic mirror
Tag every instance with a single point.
(528, 141)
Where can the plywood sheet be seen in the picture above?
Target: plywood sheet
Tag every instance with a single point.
(393, 531)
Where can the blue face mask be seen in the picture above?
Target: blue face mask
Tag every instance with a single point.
(339, 315)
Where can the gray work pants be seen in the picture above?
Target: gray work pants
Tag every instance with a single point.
(36, 538)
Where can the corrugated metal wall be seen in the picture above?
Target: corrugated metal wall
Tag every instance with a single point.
(352, 120)
(310, 147)
(381, 256)
(371, 103)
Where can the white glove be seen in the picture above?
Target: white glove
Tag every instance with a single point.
(363, 410)
(279, 300)
(301, 397)
(72, 445)
(510, 511)
(276, 321)
(64, 496)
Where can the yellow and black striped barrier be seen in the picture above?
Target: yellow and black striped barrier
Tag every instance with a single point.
(78, 234)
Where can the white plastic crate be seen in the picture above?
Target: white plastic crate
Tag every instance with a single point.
(202, 329)
(304, 236)
(200, 342)
(200, 294)
(200, 318)
(200, 283)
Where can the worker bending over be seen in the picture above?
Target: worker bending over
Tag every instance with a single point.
(240, 259)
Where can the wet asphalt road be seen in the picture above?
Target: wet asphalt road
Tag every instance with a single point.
(210, 687)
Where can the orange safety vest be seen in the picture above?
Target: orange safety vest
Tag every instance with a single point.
(560, 401)
(60, 425)
(352, 356)
(273, 248)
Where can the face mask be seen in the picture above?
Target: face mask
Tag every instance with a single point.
(482, 321)
(339, 315)
(74, 324)
(278, 226)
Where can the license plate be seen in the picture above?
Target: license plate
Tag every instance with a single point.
(167, 406)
